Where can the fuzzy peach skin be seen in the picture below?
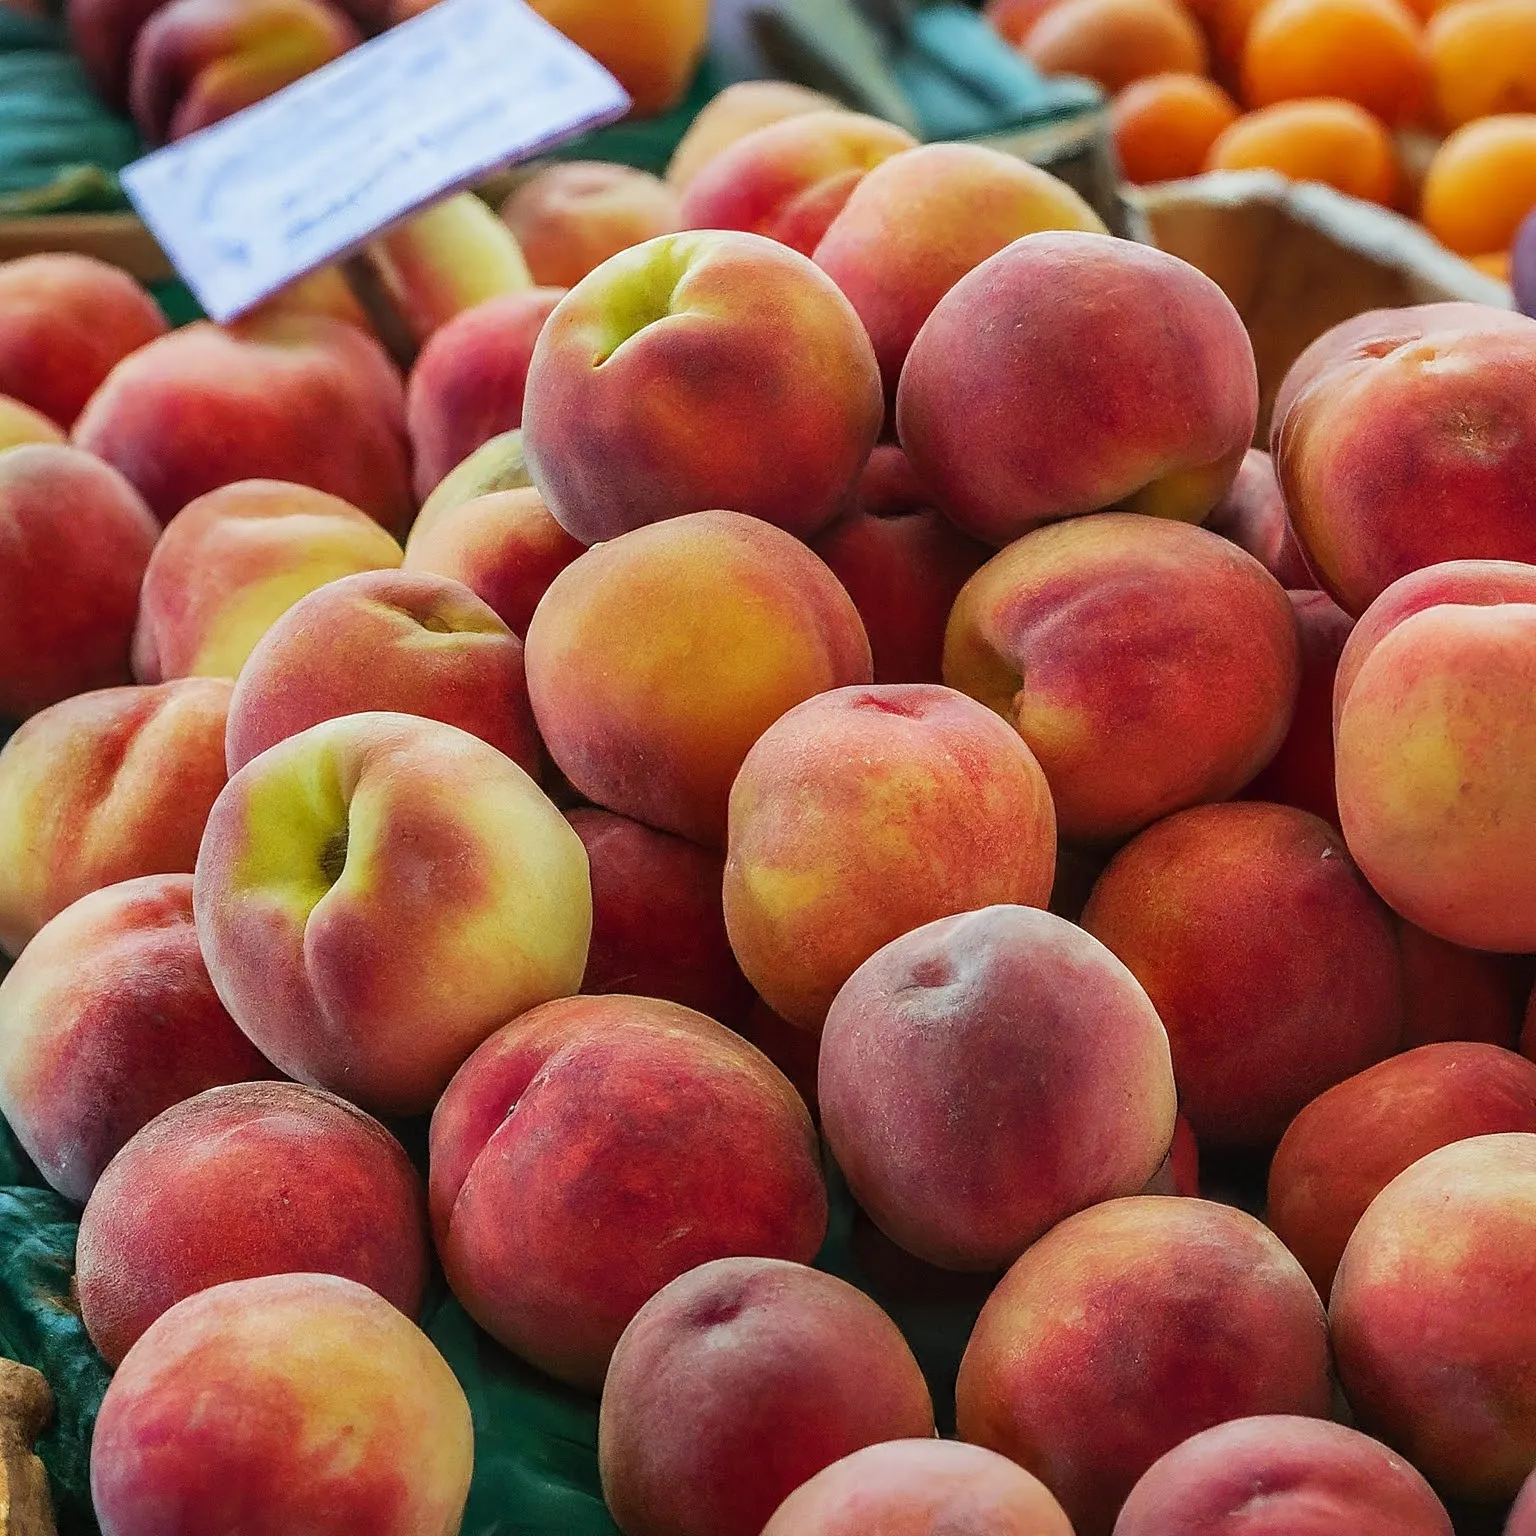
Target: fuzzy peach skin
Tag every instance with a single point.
(571, 217)
(1431, 748)
(284, 397)
(741, 108)
(199, 61)
(1442, 420)
(865, 813)
(1269, 959)
(657, 659)
(75, 539)
(1084, 636)
(234, 562)
(674, 379)
(105, 787)
(903, 571)
(1301, 773)
(1349, 1143)
(919, 221)
(1278, 1475)
(597, 1148)
(20, 424)
(652, 49)
(1451, 993)
(1252, 514)
(445, 260)
(498, 465)
(790, 179)
(467, 383)
(986, 1075)
(322, 852)
(1126, 1330)
(503, 546)
(1073, 372)
(85, 1061)
(658, 929)
(391, 640)
(65, 322)
(920, 1488)
(281, 1404)
(735, 1356)
(1432, 1330)
(247, 1180)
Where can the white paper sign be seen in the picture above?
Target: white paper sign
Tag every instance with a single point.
(246, 206)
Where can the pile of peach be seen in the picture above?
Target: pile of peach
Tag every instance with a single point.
(838, 682)
(1428, 106)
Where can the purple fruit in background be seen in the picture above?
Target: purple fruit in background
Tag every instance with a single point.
(1523, 265)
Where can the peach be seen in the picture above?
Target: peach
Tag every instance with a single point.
(986, 1075)
(652, 49)
(284, 397)
(468, 381)
(1073, 372)
(571, 217)
(75, 539)
(1349, 1143)
(327, 848)
(20, 424)
(199, 61)
(864, 814)
(247, 1180)
(234, 562)
(86, 1061)
(105, 787)
(1128, 1329)
(658, 929)
(503, 546)
(1522, 1518)
(918, 222)
(903, 571)
(327, 291)
(277, 1404)
(741, 108)
(452, 256)
(1436, 415)
(920, 1488)
(1301, 773)
(65, 322)
(1085, 637)
(1451, 993)
(498, 465)
(1431, 747)
(1278, 1475)
(657, 659)
(674, 380)
(1268, 958)
(1432, 1332)
(102, 34)
(596, 1149)
(790, 179)
(732, 1357)
(1252, 514)
(391, 640)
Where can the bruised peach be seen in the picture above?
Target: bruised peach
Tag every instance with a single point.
(729, 1358)
(597, 1148)
(741, 108)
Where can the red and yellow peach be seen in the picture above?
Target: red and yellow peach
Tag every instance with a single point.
(741, 108)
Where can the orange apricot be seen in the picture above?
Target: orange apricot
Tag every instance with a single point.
(1331, 141)
(1482, 60)
(1481, 184)
(1116, 42)
(1164, 126)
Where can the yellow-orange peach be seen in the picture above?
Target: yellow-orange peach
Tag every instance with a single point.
(865, 813)
(599, 1147)
(986, 1075)
(259, 1404)
(673, 379)
(657, 659)
(728, 1359)
(85, 1061)
(392, 640)
(75, 539)
(1084, 636)
(327, 848)
(1126, 1330)
(1073, 372)
(741, 108)
(105, 787)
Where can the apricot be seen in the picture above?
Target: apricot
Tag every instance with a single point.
(1326, 140)
(1481, 184)
(1164, 125)
(1114, 43)
(1482, 58)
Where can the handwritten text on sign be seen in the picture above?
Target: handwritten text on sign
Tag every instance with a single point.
(246, 206)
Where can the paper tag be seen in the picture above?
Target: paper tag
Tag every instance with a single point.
(246, 206)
